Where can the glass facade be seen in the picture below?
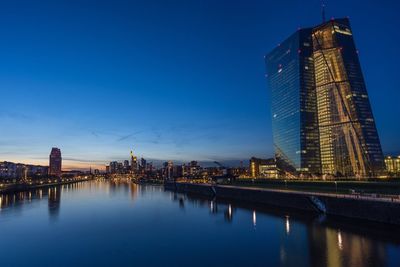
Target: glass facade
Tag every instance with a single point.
(290, 76)
(392, 165)
(321, 115)
(349, 140)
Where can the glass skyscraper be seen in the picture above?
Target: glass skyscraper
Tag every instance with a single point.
(321, 115)
(290, 74)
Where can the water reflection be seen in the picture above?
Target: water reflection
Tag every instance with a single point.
(134, 191)
(282, 237)
(54, 200)
(332, 247)
(228, 214)
(213, 207)
(8, 200)
(340, 241)
(327, 245)
(287, 225)
(53, 194)
(181, 203)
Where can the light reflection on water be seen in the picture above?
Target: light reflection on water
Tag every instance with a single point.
(287, 224)
(118, 223)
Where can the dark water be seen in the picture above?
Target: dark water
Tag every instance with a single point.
(103, 223)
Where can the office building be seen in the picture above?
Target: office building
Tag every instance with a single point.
(134, 163)
(321, 114)
(263, 168)
(393, 165)
(290, 77)
(113, 167)
(55, 162)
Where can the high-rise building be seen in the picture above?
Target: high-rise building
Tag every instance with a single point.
(120, 168)
(168, 169)
(126, 164)
(143, 165)
(321, 115)
(113, 167)
(55, 162)
(290, 76)
(134, 163)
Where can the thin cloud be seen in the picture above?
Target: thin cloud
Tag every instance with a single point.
(15, 115)
(126, 137)
(82, 160)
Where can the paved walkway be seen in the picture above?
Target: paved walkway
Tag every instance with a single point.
(378, 197)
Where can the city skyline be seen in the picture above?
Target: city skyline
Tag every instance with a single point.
(269, 127)
(97, 92)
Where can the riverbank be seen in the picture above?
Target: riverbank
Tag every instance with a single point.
(379, 187)
(382, 210)
(14, 188)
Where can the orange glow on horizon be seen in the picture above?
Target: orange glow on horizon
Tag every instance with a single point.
(67, 165)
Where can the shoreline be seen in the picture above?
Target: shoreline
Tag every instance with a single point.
(23, 188)
(382, 210)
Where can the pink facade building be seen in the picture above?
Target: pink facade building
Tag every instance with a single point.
(55, 161)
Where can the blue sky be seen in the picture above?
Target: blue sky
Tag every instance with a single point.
(176, 80)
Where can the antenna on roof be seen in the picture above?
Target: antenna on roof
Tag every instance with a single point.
(323, 11)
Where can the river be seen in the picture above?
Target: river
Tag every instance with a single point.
(118, 223)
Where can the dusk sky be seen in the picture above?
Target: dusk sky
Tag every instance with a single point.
(174, 80)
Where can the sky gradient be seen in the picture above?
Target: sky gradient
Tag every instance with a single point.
(174, 80)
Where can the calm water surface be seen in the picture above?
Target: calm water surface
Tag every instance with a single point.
(102, 223)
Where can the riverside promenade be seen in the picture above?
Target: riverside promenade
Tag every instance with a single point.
(369, 197)
(11, 188)
(382, 209)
